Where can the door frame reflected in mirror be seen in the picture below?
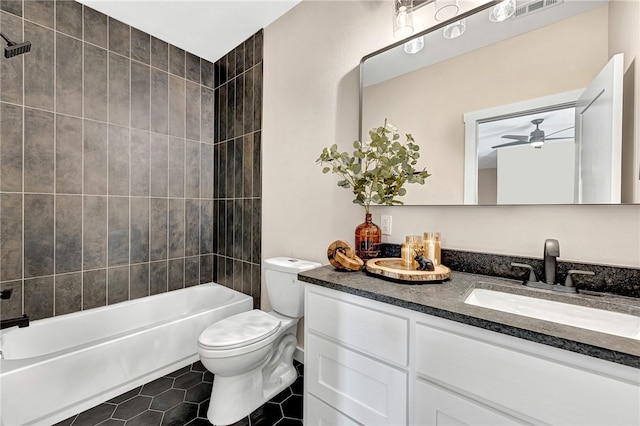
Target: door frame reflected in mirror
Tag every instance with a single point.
(474, 118)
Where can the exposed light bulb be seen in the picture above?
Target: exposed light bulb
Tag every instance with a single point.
(402, 19)
(414, 46)
(502, 11)
(454, 30)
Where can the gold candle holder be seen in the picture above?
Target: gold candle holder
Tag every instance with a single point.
(432, 247)
(410, 249)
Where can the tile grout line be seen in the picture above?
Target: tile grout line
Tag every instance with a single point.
(23, 263)
(108, 128)
(82, 189)
(55, 157)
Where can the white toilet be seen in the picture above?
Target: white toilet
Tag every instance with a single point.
(251, 353)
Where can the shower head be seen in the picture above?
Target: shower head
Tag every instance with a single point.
(15, 49)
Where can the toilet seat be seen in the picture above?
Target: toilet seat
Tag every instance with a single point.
(239, 330)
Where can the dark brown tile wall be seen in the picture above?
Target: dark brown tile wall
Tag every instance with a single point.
(237, 204)
(128, 166)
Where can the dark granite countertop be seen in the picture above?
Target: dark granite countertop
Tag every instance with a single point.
(446, 300)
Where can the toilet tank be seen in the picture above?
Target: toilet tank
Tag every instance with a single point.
(286, 293)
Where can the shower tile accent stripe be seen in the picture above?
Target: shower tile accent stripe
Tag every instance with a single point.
(128, 166)
(236, 188)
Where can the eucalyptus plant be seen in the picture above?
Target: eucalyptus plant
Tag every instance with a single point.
(377, 171)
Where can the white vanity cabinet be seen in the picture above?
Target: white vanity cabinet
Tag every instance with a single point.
(434, 405)
(373, 363)
(529, 381)
(356, 359)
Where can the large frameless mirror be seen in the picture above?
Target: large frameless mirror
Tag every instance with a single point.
(536, 109)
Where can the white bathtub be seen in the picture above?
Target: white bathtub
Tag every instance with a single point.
(60, 366)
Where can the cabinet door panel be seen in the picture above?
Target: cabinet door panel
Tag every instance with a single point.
(434, 406)
(321, 414)
(536, 387)
(366, 329)
(366, 390)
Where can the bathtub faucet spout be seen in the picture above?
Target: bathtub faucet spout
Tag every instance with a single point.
(22, 321)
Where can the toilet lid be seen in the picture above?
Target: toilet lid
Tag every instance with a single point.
(239, 330)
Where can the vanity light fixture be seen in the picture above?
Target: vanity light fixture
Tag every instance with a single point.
(455, 29)
(445, 9)
(502, 11)
(402, 18)
(414, 46)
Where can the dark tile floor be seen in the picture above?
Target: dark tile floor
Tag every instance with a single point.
(182, 398)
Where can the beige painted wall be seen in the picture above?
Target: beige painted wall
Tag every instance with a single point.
(311, 101)
(430, 103)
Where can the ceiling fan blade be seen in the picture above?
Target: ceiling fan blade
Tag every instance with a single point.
(522, 138)
(510, 144)
(560, 131)
(551, 139)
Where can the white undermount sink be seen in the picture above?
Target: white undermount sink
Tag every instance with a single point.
(619, 324)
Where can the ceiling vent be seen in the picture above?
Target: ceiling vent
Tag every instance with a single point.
(527, 7)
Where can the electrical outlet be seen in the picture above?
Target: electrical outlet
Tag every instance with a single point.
(385, 224)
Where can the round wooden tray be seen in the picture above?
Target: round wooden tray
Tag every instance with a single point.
(391, 267)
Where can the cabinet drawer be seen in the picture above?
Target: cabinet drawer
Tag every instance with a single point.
(366, 390)
(434, 406)
(321, 414)
(511, 379)
(368, 330)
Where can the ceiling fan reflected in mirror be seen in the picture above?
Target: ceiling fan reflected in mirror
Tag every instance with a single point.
(535, 139)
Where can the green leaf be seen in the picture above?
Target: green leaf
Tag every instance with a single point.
(377, 170)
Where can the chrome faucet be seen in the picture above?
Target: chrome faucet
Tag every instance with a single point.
(551, 251)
